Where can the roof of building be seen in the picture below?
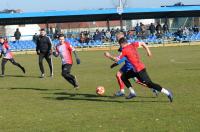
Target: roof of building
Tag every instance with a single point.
(98, 15)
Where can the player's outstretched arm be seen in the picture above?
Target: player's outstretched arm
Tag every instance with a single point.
(146, 48)
(78, 61)
(121, 60)
(118, 62)
(108, 55)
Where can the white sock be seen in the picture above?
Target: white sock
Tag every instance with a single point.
(131, 90)
(122, 90)
(165, 91)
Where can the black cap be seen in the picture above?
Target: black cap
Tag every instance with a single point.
(42, 29)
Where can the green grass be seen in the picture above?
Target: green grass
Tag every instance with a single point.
(31, 104)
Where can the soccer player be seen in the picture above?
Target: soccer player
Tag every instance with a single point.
(131, 53)
(8, 56)
(43, 49)
(64, 49)
(125, 68)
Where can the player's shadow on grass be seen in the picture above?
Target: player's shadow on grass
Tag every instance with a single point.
(81, 94)
(35, 89)
(93, 95)
(22, 76)
(150, 97)
(95, 98)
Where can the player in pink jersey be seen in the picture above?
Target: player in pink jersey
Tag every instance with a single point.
(8, 56)
(64, 50)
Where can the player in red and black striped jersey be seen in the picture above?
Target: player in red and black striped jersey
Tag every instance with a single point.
(8, 56)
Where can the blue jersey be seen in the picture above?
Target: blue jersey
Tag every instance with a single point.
(127, 66)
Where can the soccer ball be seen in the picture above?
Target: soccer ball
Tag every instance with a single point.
(100, 90)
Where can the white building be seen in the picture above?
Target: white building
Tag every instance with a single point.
(27, 31)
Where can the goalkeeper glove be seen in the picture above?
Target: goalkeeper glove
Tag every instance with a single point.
(78, 61)
(113, 65)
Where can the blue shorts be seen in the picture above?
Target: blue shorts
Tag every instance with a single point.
(125, 68)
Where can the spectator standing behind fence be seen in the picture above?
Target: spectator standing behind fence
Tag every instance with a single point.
(108, 35)
(158, 28)
(165, 28)
(17, 35)
(142, 29)
(138, 29)
(97, 36)
(112, 32)
(82, 38)
(103, 34)
(51, 33)
(195, 29)
(186, 32)
(178, 34)
(152, 29)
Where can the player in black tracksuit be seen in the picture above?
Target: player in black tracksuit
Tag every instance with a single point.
(43, 49)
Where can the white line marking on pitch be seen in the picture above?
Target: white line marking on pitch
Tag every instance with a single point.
(178, 62)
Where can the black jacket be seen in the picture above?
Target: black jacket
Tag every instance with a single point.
(17, 35)
(43, 44)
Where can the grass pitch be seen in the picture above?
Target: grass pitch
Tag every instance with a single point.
(31, 104)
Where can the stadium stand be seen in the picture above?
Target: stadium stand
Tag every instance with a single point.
(27, 45)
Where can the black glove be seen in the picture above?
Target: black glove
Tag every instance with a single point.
(54, 53)
(114, 65)
(78, 61)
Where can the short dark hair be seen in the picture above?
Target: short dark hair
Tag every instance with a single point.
(61, 35)
(122, 40)
(42, 29)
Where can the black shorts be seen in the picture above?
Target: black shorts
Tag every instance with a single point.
(11, 60)
(131, 74)
(66, 68)
(143, 76)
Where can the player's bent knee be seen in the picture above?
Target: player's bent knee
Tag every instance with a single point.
(119, 74)
(65, 74)
(123, 78)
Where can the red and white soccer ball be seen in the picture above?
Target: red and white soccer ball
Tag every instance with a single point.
(100, 90)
